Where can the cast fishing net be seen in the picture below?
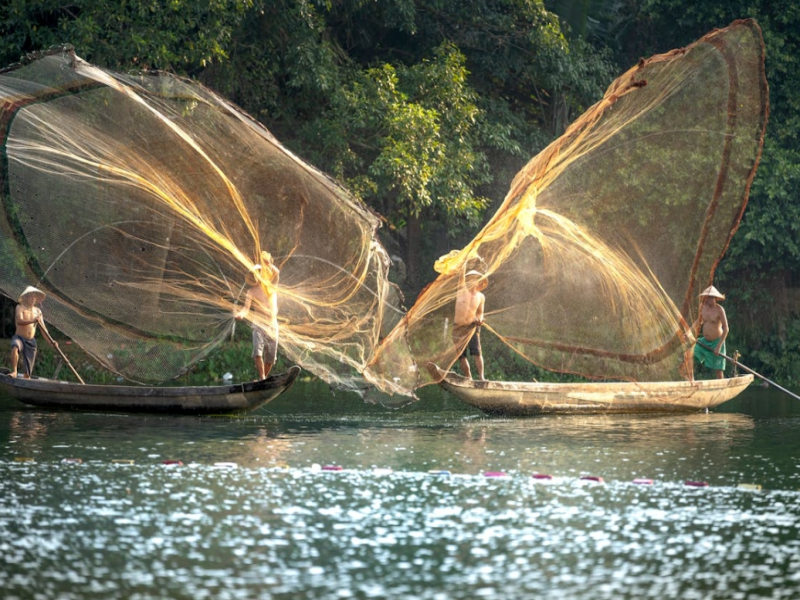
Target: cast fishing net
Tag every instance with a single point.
(597, 255)
(140, 203)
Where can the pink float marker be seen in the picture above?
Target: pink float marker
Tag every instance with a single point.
(641, 481)
(494, 474)
(541, 476)
(592, 478)
(332, 468)
(696, 483)
(176, 463)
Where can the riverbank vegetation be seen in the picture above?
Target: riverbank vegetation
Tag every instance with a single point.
(425, 109)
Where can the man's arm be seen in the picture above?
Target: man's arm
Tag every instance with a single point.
(248, 300)
(479, 310)
(724, 320)
(45, 333)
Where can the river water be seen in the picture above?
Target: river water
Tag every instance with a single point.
(255, 511)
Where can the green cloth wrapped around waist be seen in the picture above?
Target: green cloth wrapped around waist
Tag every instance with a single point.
(704, 354)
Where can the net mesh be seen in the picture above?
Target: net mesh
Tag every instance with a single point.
(597, 255)
(140, 203)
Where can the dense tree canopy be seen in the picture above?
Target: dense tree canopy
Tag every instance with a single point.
(425, 109)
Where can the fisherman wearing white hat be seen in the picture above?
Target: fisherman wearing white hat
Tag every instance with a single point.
(27, 316)
(711, 344)
(469, 318)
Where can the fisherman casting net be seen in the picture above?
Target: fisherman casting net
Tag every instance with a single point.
(597, 255)
(141, 203)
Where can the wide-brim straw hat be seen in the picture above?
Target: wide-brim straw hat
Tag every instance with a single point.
(39, 294)
(713, 292)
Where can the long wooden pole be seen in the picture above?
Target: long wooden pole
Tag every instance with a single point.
(63, 356)
(749, 370)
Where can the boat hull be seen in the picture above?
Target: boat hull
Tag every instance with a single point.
(196, 400)
(524, 398)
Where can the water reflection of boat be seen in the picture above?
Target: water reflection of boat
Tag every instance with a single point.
(237, 397)
(530, 398)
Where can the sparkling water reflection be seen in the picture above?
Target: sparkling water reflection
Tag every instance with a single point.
(252, 513)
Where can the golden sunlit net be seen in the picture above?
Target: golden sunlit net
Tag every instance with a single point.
(140, 203)
(597, 255)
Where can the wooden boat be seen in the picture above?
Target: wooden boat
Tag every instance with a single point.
(532, 398)
(195, 400)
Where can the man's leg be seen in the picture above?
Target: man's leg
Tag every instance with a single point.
(720, 374)
(479, 366)
(267, 369)
(14, 360)
(465, 367)
(259, 362)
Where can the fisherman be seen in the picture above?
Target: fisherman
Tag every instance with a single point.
(262, 280)
(26, 317)
(710, 345)
(469, 318)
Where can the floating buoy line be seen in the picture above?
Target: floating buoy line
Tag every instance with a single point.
(314, 468)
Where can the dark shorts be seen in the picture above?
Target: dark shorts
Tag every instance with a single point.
(264, 346)
(473, 348)
(27, 348)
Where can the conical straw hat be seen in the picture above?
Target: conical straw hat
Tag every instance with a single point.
(40, 295)
(713, 292)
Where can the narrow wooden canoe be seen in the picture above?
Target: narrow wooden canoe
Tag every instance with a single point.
(531, 398)
(195, 400)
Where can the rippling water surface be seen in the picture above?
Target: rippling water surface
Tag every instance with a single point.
(253, 511)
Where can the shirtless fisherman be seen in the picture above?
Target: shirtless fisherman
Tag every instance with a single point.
(27, 316)
(469, 318)
(715, 329)
(265, 331)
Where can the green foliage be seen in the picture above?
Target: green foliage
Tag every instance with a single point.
(599, 21)
(766, 241)
(777, 356)
(403, 138)
(770, 352)
(179, 35)
(769, 237)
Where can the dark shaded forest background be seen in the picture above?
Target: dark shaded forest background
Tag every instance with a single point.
(426, 109)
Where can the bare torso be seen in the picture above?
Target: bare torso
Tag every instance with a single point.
(26, 318)
(713, 319)
(266, 306)
(469, 306)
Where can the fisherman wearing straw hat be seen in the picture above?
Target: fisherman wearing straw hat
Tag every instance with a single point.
(27, 316)
(711, 344)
